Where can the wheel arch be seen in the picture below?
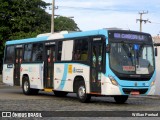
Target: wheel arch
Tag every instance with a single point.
(76, 80)
(25, 75)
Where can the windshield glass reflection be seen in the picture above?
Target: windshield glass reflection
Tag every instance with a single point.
(129, 58)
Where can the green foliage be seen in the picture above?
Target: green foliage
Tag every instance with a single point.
(65, 23)
(27, 18)
(22, 19)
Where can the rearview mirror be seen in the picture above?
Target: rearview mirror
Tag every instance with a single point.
(156, 52)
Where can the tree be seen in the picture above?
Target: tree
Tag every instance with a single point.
(27, 18)
(22, 19)
(65, 23)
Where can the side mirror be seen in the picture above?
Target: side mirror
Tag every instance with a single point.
(108, 47)
(156, 52)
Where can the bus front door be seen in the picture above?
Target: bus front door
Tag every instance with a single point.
(49, 66)
(17, 66)
(96, 66)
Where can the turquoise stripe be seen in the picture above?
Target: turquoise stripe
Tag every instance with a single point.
(63, 81)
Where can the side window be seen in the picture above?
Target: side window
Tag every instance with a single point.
(59, 55)
(37, 54)
(27, 52)
(10, 53)
(80, 51)
(148, 54)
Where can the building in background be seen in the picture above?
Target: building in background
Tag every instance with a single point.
(156, 39)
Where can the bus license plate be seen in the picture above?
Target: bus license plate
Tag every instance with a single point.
(135, 93)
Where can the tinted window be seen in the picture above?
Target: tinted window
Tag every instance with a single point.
(10, 54)
(126, 58)
(59, 50)
(80, 51)
(27, 52)
(37, 55)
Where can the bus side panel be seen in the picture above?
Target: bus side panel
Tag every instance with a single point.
(108, 88)
(35, 74)
(65, 73)
(8, 70)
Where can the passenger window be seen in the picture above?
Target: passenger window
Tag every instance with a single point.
(10, 53)
(37, 54)
(80, 50)
(27, 52)
(59, 55)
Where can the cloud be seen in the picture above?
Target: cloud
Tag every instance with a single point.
(120, 20)
(95, 14)
(84, 3)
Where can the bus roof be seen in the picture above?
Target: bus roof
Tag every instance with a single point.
(78, 34)
(86, 33)
(26, 40)
(65, 34)
(43, 37)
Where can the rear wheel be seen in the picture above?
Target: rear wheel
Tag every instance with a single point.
(26, 87)
(81, 93)
(120, 99)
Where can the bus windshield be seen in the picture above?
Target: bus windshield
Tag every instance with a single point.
(131, 58)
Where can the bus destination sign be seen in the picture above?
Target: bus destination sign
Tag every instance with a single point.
(129, 36)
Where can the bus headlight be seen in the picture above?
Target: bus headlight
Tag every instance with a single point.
(152, 83)
(113, 81)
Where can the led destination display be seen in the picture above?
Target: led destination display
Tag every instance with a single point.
(130, 36)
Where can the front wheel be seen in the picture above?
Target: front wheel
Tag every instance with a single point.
(26, 87)
(120, 99)
(81, 93)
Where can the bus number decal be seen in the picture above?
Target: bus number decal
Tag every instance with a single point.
(10, 66)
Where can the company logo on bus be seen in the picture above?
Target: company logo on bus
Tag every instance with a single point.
(75, 70)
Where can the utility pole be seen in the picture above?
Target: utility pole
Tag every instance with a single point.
(141, 20)
(52, 17)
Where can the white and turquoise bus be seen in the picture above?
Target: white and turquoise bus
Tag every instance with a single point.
(114, 63)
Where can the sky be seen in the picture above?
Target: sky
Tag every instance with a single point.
(98, 14)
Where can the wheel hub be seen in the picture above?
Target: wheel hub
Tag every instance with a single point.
(81, 91)
(26, 86)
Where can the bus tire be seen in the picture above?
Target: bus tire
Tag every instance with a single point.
(60, 93)
(26, 87)
(81, 93)
(120, 99)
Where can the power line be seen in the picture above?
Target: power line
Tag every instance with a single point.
(103, 9)
(112, 9)
(97, 9)
(154, 22)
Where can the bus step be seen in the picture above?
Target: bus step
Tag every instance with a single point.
(48, 90)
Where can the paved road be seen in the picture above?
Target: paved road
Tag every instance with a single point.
(12, 99)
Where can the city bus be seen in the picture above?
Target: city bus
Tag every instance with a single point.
(114, 63)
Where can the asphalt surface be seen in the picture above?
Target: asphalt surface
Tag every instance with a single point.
(12, 99)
